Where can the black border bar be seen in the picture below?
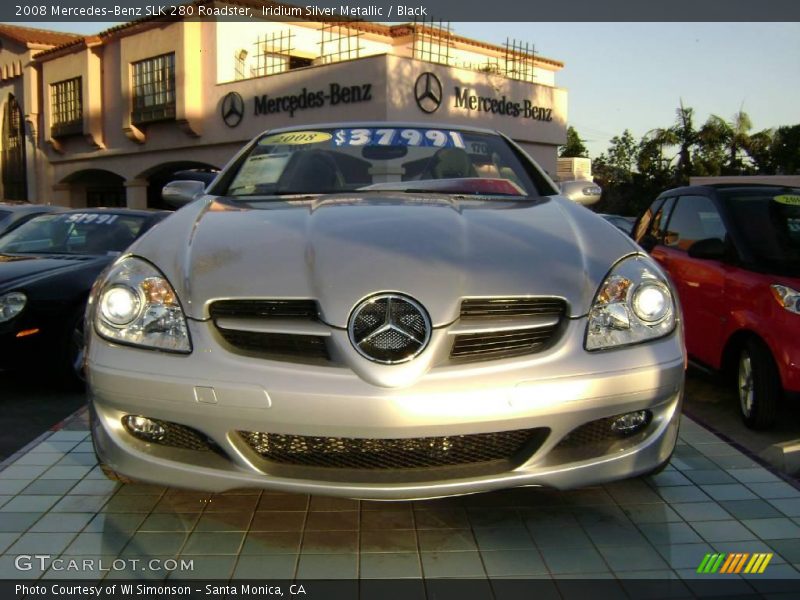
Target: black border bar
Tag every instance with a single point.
(389, 11)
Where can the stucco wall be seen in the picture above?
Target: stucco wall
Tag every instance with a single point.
(385, 82)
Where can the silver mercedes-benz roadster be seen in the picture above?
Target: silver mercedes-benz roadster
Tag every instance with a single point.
(384, 311)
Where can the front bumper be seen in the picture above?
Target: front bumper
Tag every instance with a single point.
(560, 389)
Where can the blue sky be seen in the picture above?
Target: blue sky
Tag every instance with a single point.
(633, 75)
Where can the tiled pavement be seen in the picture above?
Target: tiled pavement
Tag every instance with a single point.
(54, 500)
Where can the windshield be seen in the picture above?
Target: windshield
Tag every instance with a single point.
(769, 223)
(323, 161)
(73, 233)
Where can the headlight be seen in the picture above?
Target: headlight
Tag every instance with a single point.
(634, 304)
(787, 297)
(11, 305)
(136, 305)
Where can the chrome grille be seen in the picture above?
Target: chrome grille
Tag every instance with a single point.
(293, 346)
(265, 309)
(519, 338)
(396, 453)
(501, 344)
(511, 307)
(277, 344)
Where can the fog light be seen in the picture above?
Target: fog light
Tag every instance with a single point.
(630, 422)
(144, 428)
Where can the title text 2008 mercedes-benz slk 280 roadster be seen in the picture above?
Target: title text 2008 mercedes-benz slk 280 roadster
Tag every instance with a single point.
(383, 311)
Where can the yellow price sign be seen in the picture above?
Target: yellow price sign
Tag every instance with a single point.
(294, 138)
(790, 199)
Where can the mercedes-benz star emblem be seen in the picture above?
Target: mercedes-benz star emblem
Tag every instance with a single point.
(232, 109)
(389, 328)
(428, 92)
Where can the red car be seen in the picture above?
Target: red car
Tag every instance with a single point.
(733, 252)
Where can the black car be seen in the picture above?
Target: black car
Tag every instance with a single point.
(47, 267)
(14, 214)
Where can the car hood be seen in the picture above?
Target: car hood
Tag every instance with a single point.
(338, 251)
(18, 269)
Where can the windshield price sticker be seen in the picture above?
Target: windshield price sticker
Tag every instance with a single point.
(296, 138)
(790, 199)
(435, 138)
(91, 218)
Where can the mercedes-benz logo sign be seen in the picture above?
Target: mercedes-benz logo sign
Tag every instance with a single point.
(232, 109)
(389, 328)
(428, 92)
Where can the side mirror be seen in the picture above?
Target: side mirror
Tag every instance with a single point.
(582, 192)
(179, 193)
(671, 238)
(648, 242)
(708, 249)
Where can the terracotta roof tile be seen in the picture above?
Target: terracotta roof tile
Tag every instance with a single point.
(398, 30)
(29, 35)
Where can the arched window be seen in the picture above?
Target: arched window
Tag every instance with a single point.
(15, 185)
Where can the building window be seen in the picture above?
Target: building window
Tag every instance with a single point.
(154, 89)
(66, 107)
(12, 156)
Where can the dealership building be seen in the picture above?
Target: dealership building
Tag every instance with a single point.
(107, 119)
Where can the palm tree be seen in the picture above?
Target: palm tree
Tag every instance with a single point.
(759, 149)
(683, 135)
(687, 139)
(650, 159)
(732, 135)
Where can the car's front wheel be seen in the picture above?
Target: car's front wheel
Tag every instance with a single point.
(758, 385)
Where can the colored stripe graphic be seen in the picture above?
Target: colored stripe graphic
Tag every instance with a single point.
(740, 563)
(760, 563)
(767, 558)
(716, 565)
(732, 563)
(711, 563)
(704, 563)
(755, 563)
(729, 562)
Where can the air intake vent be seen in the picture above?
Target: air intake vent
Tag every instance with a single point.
(276, 329)
(503, 308)
(277, 344)
(265, 309)
(493, 328)
(502, 344)
(397, 453)
(178, 436)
